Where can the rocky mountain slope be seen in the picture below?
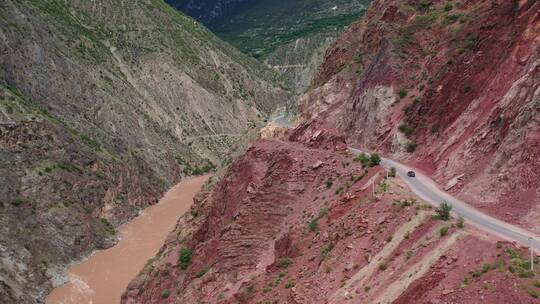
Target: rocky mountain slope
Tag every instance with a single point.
(448, 86)
(298, 220)
(451, 87)
(103, 106)
(290, 36)
(299, 60)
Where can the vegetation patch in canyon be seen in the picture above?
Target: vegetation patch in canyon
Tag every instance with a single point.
(185, 257)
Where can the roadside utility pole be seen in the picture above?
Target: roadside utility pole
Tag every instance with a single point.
(532, 256)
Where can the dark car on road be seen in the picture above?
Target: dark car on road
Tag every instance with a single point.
(411, 174)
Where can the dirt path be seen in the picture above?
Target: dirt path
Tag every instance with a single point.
(102, 278)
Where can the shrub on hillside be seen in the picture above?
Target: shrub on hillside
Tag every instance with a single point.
(405, 129)
(329, 184)
(443, 212)
(290, 284)
(461, 222)
(403, 93)
(165, 294)
(185, 257)
(363, 159)
(411, 147)
(443, 231)
(314, 223)
(369, 160)
(284, 263)
(202, 272)
(108, 226)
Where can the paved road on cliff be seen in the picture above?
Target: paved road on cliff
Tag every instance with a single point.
(428, 190)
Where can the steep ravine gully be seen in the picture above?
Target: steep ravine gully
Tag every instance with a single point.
(449, 87)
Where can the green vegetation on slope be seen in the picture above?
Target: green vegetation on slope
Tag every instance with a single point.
(259, 28)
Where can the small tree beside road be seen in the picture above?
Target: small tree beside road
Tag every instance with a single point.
(368, 160)
(443, 212)
(375, 159)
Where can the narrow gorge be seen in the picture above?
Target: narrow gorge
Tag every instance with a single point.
(270, 152)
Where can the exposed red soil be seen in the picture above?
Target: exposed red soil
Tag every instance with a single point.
(259, 213)
(444, 283)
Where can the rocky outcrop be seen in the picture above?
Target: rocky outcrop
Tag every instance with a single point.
(238, 230)
(59, 198)
(103, 105)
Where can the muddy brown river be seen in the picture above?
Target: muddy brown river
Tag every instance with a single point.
(104, 276)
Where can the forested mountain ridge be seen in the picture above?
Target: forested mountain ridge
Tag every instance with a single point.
(290, 36)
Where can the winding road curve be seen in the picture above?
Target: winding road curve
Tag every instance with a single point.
(428, 190)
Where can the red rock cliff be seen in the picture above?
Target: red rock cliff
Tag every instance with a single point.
(452, 87)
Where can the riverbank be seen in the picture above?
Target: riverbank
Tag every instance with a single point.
(103, 277)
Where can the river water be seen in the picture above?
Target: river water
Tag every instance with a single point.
(104, 276)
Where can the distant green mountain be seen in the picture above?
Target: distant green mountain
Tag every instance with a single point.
(209, 11)
(289, 35)
(260, 28)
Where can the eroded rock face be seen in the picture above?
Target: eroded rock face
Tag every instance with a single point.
(318, 135)
(54, 191)
(434, 80)
(272, 130)
(246, 214)
(299, 60)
